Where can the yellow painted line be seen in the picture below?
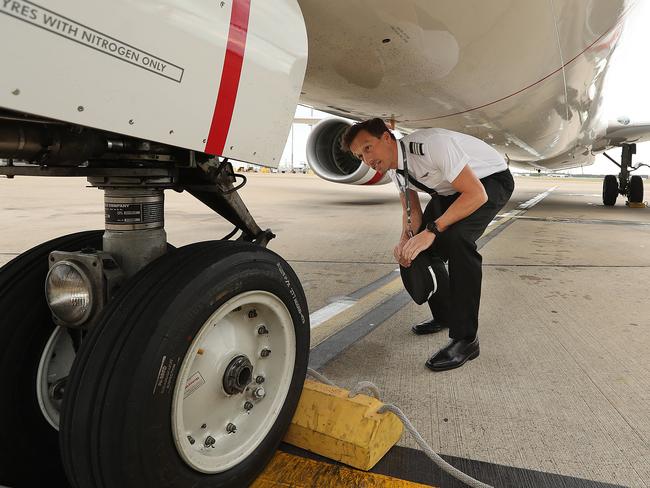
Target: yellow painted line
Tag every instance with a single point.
(286, 470)
(358, 310)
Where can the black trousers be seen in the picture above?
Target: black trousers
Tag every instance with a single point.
(459, 300)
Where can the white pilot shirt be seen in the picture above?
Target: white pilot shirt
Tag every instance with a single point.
(435, 157)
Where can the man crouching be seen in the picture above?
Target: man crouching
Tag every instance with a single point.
(469, 182)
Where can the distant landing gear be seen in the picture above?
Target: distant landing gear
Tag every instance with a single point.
(610, 190)
(631, 186)
(635, 189)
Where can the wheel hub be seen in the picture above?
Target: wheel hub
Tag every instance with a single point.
(233, 381)
(238, 375)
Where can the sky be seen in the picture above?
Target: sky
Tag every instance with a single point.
(626, 93)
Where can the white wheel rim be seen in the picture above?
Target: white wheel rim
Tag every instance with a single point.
(201, 408)
(54, 366)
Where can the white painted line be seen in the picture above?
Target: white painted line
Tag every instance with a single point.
(535, 200)
(501, 219)
(328, 311)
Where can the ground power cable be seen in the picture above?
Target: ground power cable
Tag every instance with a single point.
(388, 407)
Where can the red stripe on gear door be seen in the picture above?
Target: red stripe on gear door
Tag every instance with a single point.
(232, 66)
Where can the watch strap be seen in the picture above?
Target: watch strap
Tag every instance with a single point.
(432, 227)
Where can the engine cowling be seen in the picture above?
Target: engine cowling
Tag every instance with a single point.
(330, 162)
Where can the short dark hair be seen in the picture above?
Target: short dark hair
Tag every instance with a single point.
(375, 127)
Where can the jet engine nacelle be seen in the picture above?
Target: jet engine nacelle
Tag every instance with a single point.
(330, 162)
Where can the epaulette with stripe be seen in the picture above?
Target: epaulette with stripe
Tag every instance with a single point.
(416, 148)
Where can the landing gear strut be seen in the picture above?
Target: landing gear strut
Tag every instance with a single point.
(631, 186)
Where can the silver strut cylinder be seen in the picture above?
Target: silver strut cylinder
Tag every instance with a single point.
(135, 221)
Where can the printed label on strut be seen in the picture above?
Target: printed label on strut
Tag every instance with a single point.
(63, 26)
(133, 213)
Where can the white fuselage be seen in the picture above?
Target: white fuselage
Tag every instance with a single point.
(525, 76)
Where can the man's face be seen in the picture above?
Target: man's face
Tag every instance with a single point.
(380, 153)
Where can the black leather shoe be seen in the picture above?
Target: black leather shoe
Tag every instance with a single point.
(454, 354)
(428, 327)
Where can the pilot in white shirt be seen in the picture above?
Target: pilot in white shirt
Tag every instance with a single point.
(469, 182)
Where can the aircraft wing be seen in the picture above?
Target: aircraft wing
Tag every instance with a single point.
(622, 132)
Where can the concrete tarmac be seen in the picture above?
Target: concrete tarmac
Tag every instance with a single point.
(560, 394)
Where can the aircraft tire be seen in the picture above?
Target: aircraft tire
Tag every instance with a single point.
(635, 192)
(610, 190)
(29, 444)
(146, 403)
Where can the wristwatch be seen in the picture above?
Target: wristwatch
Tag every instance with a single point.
(432, 227)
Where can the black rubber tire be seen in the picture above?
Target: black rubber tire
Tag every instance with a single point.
(635, 191)
(29, 446)
(115, 432)
(610, 190)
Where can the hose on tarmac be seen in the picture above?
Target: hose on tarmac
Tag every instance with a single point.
(387, 407)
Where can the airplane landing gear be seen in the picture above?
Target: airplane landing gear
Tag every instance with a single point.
(631, 186)
(610, 190)
(138, 364)
(635, 189)
(193, 374)
(34, 359)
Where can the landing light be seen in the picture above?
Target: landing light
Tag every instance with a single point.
(68, 293)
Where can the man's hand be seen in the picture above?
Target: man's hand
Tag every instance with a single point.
(416, 244)
(397, 252)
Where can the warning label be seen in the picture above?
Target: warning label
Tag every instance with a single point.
(57, 24)
(193, 383)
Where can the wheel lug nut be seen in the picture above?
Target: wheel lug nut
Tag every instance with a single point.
(259, 380)
(191, 439)
(204, 426)
(209, 441)
(265, 353)
(262, 330)
(252, 314)
(231, 428)
(259, 392)
(248, 406)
